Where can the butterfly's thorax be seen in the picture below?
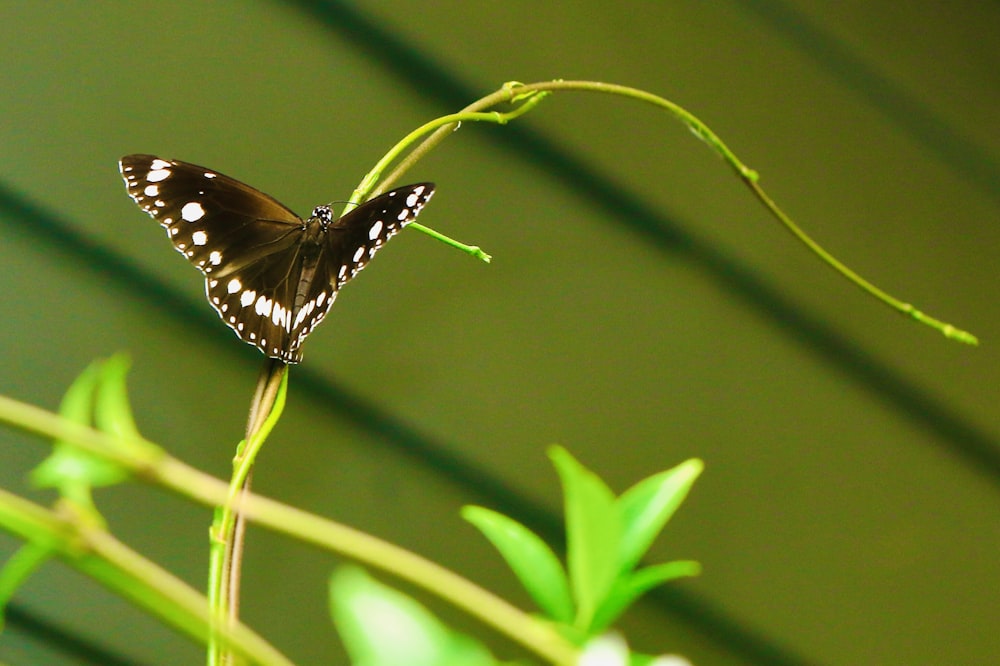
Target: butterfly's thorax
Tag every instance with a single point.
(311, 246)
(316, 228)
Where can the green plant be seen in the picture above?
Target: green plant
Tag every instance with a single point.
(97, 443)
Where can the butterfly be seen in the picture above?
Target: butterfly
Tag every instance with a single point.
(271, 275)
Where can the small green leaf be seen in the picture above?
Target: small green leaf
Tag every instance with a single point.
(647, 506)
(629, 588)
(72, 471)
(593, 530)
(77, 404)
(112, 411)
(530, 558)
(383, 627)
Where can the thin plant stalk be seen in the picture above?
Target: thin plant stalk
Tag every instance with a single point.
(229, 525)
(94, 551)
(528, 96)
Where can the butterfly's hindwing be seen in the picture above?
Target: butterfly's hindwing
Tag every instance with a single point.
(256, 302)
(270, 275)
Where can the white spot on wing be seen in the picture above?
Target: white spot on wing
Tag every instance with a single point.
(192, 211)
(375, 231)
(199, 238)
(234, 286)
(247, 297)
(157, 175)
(307, 310)
(151, 190)
(215, 258)
(281, 317)
(360, 252)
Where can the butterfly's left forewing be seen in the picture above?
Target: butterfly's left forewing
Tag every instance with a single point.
(218, 223)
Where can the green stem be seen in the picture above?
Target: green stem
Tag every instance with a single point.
(447, 123)
(161, 469)
(227, 532)
(99, 555)
(532, 93)
(474, 250)
(366, 549)
(904, 308)
(370, 185)
(27, 560)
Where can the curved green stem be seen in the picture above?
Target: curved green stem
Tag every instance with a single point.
(449, 123)
(907, 309)
(533, 92)
(367, 188)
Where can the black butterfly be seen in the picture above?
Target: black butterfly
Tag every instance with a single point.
(271, 275)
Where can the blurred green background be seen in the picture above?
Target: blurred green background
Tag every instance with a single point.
(641, 307)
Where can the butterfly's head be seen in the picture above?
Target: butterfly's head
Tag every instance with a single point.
(323, 215)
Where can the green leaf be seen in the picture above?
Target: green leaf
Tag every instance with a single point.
(629, 588)
(530, 558)
(383, 627)
(647, 506)
(593, 531)
(112, 411)
(72, 471)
